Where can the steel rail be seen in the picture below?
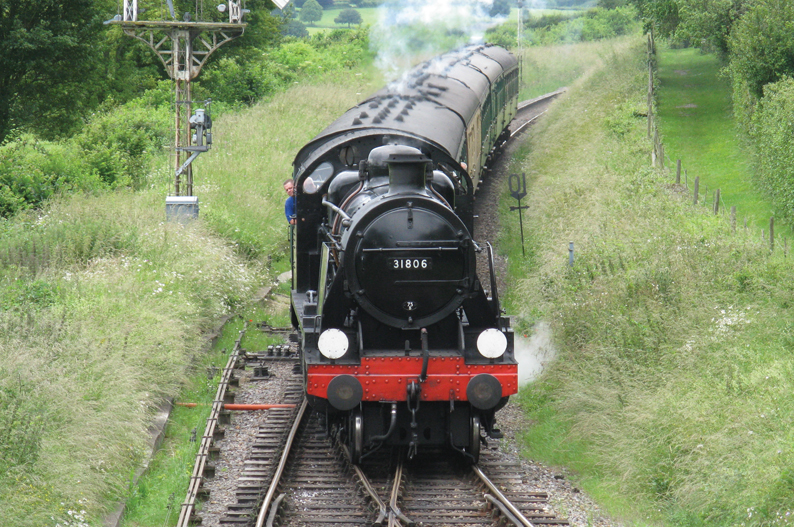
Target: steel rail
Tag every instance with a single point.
(373, 494)
(396, 515)
(518, 130)
(260, 520)
(501, 497)
(196, 479)
(505, 512)
(525, 105)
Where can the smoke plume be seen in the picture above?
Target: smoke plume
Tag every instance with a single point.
(409, 31)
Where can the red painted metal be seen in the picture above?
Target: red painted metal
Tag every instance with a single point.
(386, 378)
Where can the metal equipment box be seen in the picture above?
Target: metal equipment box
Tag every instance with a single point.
(181, 208)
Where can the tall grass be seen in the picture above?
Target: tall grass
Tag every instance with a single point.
(672, 394)
(104, 308)
(104, 305)
(548, 68)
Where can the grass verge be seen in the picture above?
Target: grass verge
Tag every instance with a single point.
(157, 496)
(672, 395)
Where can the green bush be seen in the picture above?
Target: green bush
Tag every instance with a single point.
(32, 171)
(772, 132)
(762, 45)
(245, 80)
(596, 24)
(119, 144)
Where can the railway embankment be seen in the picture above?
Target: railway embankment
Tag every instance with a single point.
(670, 397)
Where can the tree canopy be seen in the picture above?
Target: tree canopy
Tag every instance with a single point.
(500, 8)
(49, 65)
(348, 16)
(311, 12)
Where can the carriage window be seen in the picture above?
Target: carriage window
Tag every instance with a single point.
(315, 181)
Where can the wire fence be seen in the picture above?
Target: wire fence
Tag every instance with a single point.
(659, 161)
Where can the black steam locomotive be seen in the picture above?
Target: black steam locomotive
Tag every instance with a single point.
(400, 343)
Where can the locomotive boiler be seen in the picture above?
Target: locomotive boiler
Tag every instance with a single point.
(401, 342)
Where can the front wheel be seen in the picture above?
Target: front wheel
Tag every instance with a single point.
(474, 444)
(356, 436)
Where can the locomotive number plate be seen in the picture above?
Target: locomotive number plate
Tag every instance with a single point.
(399, 264)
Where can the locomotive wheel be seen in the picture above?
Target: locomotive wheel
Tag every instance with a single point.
(356, 437)
(474, 446)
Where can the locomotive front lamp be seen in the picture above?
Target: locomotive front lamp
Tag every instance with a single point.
(333, 343)
(491, 343)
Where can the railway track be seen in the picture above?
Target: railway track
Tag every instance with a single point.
(281, 469)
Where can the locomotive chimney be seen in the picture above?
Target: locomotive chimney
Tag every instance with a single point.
(407, 167)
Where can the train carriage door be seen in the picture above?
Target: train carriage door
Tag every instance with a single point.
(474, 141)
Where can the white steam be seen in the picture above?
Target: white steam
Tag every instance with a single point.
(534, 353)
(409, 31)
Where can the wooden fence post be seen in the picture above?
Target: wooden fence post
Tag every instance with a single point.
(717, 202)
(697, 186)
(678, 172)
(661, 154)
(733, 218)
(650, 97)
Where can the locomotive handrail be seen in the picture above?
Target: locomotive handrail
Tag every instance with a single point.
(336, 209)
(404, 249)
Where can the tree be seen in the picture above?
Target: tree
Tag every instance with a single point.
(295, 28)
(50, 68)
(500, 8)
(708, 23)
(762, 46)
(311, 12)
(661, 15)
(348, 16)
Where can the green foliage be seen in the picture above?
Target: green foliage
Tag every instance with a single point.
(708, 24)
(248, 78)
(118, 145)
(32, 171)
(660, 15)
(762, 46)
(547, 20)
(502, 35)
(595, 24)
(348, 16)
(500, 8)
(311, 12)
(48, 64)
(114, 150)
(295, 28)
(772, 133)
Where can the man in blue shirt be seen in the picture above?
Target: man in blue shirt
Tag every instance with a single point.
(289, 205)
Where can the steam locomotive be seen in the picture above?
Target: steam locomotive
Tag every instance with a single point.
(400, 342)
